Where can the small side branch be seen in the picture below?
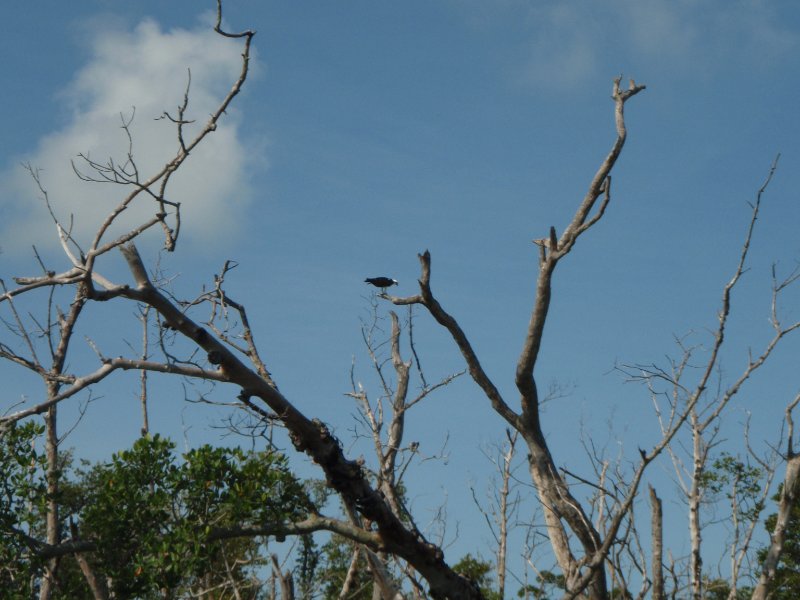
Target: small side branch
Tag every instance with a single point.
(109, 366)
(427, 299)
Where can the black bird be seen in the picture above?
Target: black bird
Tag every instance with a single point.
(381, 282)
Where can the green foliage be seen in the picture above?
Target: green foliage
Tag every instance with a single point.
(151, 514)
(20, 469)
(337, 555)
(308, 561)
(551, 585)
(478, 571)
(22, 499)
(740, 482)
(720, 589)
(131, 517)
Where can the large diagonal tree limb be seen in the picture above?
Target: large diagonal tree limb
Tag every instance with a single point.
(312, 437)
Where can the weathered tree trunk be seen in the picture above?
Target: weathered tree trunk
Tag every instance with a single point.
(53, 535)
(285, 579)
(790, 495)
(657, 533)
(505, 489)
(560, 506)
(350, 576)
(695, 534)
(561, 510)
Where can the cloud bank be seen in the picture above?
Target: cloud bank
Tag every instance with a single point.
(145, 70)
(567, 37)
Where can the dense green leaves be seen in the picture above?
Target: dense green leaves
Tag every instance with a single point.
(337, 555)
(480, 573)
(551, 585)
(22, 499)
(153, 516)
(150, 514)
(738, 481)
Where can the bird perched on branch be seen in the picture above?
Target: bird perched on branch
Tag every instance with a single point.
(381, 282)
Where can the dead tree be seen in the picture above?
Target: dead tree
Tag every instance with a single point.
(385, 420)
(563, 513)
(243, 367)
(227, 361)
(678, 399)
(376, 520)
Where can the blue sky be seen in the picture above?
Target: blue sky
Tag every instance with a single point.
(370, 131)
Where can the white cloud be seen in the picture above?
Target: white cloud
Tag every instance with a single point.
(693, 37)
(704, 33)
(655, 27)
(147, 69)
(561, 54)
